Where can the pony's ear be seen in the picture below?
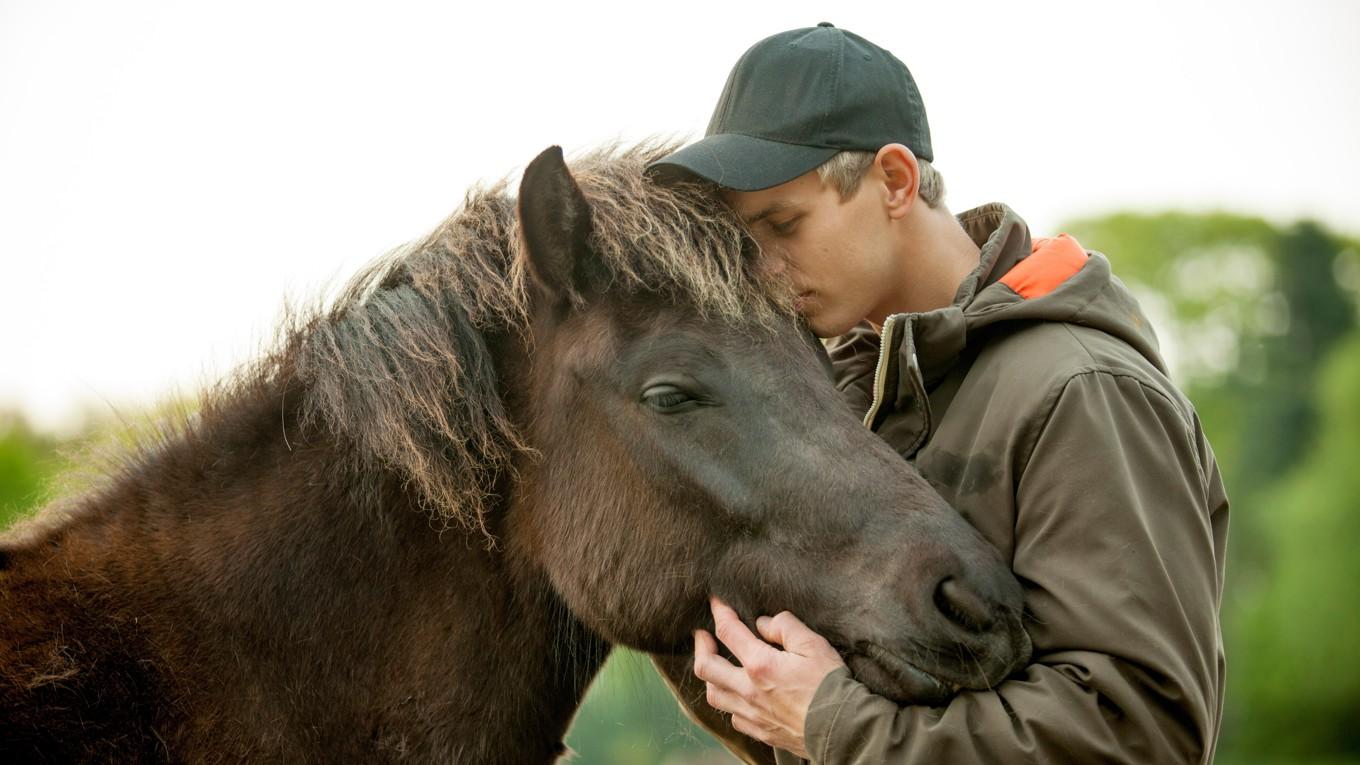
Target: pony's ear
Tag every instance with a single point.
(554, 219)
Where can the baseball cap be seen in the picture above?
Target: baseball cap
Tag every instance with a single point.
(797, 98)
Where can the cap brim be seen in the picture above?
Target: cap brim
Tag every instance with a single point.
(743, 163)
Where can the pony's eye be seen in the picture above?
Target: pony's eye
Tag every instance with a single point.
(667, 398)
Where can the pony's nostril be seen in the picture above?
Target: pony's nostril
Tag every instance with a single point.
(962, 606)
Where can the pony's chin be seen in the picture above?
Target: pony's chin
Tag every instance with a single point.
(890, 676)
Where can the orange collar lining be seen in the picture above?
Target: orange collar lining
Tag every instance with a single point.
(1052, 261)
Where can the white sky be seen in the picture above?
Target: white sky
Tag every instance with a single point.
(169, 171)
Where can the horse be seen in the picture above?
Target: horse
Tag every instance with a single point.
(412, 529)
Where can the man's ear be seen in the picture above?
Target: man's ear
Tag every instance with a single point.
(554, 219)
(898, 171)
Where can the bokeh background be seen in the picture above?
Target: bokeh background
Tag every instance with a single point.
(170, 172)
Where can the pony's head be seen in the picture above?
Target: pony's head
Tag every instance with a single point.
(688, 441)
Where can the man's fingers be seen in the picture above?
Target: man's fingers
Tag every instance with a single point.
(748, 726)
(750, 650)
(712, 668)
(723, 699)
(704, 645)
(787, 630)
(767, 629)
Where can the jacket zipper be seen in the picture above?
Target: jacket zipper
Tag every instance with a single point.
(884, 342)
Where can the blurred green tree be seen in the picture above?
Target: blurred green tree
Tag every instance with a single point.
(1295, 670)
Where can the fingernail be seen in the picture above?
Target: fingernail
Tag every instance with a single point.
(760, 620)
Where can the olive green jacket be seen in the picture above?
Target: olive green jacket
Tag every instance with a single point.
(1039, 407)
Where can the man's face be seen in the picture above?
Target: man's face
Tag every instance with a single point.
(839, 254)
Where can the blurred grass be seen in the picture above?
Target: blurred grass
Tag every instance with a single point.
(630, 718)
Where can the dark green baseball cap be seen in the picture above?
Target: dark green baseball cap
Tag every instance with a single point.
(797, 98)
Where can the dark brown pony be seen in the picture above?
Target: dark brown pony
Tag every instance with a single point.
(413, 530)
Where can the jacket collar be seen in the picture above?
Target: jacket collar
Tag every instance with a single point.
(917, 350)
(939, 336)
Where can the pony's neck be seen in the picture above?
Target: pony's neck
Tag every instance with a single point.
(294, 591)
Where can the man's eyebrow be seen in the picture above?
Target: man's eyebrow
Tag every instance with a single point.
(768, 211)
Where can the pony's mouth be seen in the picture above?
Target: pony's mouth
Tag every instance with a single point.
(890, 675)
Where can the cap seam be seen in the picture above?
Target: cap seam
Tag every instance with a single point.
(833, 84)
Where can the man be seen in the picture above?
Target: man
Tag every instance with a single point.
(1023, 380)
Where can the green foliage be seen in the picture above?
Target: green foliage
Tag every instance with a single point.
(1296, 669)
(1206, 262)
(27, 461)
(1211, 273)
(629, 717)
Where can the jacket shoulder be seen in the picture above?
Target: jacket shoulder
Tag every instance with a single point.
(1037, 361)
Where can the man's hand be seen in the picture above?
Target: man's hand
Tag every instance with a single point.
(769, 694)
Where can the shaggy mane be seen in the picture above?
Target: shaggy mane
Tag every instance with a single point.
(400, 363)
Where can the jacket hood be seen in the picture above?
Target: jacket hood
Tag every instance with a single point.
(1018, 280)
(1052, 279)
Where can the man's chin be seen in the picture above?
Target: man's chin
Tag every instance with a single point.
(823, 324)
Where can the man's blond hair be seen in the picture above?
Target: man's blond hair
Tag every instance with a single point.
(845, 171)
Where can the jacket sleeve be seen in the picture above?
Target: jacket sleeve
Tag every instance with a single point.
(1120, 520)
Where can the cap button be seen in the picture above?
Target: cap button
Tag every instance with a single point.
(825, 24)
